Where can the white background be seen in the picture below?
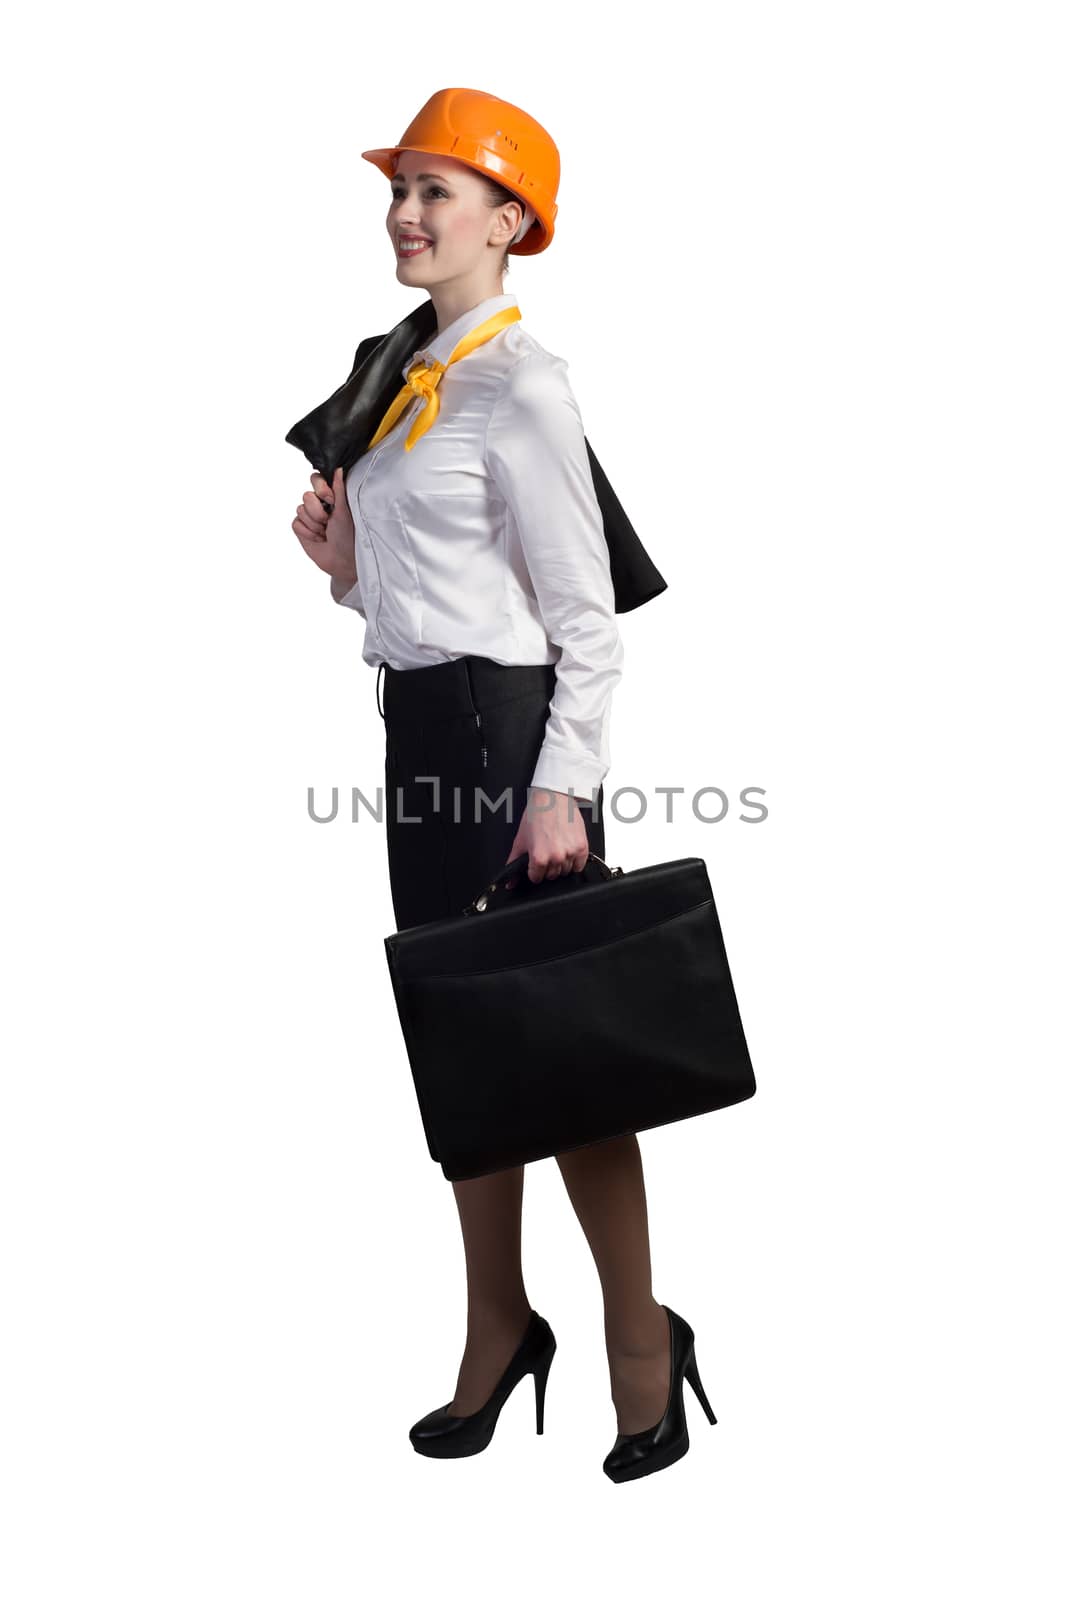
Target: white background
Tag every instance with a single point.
(809, 276)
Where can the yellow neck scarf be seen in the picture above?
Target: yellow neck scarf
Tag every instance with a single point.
(423, 379)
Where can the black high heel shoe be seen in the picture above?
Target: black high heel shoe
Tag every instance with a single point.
(635, 1454)
(438, 1434)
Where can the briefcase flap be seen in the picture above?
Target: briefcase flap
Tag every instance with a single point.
(536, 927)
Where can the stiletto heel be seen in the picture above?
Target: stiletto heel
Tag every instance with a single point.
(541, 1375)
(440, 1435)
(635, 1454)
(689, 1372)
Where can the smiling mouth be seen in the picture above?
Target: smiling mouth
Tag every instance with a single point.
(414, 249)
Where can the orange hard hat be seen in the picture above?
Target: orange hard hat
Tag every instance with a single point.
(496, 138)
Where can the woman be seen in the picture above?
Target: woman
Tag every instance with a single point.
(469, 538)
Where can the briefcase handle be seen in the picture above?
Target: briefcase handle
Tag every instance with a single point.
(481, 902)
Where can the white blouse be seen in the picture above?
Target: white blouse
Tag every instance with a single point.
(486, 538)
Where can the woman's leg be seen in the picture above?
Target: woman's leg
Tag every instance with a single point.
(498, 1311)
(606, 1186)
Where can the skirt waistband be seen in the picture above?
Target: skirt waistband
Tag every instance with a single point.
(458, 688)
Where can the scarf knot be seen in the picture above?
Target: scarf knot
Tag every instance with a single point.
(424, 376)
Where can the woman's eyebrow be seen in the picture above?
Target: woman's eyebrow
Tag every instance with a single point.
(399, 177)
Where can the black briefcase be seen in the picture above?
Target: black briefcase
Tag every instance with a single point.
(548, 1016)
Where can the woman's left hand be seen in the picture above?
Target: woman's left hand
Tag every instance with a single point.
(553, 832)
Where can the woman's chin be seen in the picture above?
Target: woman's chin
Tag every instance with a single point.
(408, 272)
(409, 263)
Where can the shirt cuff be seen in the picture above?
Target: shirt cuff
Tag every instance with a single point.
(553, 771)
(348, 597)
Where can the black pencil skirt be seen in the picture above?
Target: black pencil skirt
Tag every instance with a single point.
(462, 741)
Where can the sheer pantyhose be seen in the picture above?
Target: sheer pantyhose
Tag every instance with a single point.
(606, 1186)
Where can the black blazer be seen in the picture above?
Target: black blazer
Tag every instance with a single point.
(339, 430)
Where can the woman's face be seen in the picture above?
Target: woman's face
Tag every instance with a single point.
(443, 202)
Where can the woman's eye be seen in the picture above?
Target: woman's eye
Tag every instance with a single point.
(398, 194)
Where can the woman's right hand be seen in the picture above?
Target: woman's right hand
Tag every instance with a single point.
(328, 537)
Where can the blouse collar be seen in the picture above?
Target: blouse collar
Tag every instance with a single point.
(444, 343)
